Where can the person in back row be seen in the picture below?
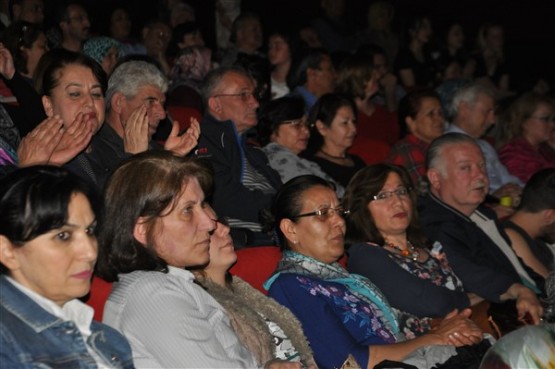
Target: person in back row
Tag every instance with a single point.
(134, 108)
(473, 113)
(244, 181)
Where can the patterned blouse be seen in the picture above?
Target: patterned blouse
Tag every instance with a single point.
(419, 291)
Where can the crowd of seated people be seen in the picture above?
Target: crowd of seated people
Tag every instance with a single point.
(414, 157)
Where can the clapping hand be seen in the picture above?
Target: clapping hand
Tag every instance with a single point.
(39, 144)
(182, 145)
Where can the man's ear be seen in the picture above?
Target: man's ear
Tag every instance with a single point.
(434, 177)
(140, 231)
(47, 104)
(117, 101)
(214, 105)
(289, 230)
(548, 216)
(7, 255)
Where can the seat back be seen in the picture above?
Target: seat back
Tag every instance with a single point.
(371, 151)
(256, 264)
(100, 290)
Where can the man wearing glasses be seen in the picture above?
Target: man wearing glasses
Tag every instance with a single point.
(244, 183)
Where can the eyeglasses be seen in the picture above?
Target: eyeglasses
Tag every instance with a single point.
(384, 195)
(545, 119)
(298, 124)
(325, 213)
(244, 96)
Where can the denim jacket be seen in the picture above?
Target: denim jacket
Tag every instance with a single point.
(30, 337)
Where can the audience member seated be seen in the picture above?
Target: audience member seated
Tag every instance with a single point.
(333, 27)
(135, 106)
(473, 112)
(73, 86)
(388, 248)
(421, 113)
(453, 59)
(283, 130)
(184, 35)
(104, 51)
(413, 64)
(343, 313)
(155, 226)
(390, 92)
(332, 132)
(120, 30)
(359, 81)
(27, 43)
(74, 24)
(281, 56)
(489, 61)
(534, 222)
(16, 72)
(246, 36)
(31, 11)
(478, 252)
(244, 182)
(47, 257)
(266, 328)
(529, 123)
(379, 32)
(314, 76)
(189, 70)
(156, 35)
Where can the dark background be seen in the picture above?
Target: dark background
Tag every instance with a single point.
(529, 24)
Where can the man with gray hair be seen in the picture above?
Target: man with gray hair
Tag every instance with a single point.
(134, 108)
(473, 113)
(244, 182)
(478, 251)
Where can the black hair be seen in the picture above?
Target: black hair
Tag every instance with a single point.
(18, 35)
(288, 203)
(325, 110)
(35, 200)
(47, 73)
(539, 192)
(273, 113)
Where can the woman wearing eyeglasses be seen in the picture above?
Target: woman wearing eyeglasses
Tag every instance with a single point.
(342, 313)
(388, 248)
(523, 137)
(283, 130)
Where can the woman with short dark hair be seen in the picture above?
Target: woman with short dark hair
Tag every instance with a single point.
(48, 250)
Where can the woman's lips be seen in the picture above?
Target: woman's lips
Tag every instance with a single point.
(400, 215)
(85, 274)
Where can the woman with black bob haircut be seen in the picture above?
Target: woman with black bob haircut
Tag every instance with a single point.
(332, 122)
(48, 250)
(284, 132)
